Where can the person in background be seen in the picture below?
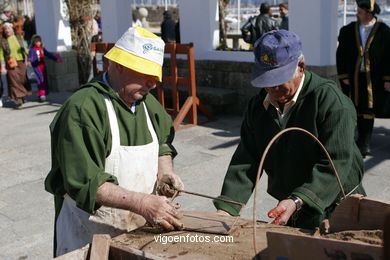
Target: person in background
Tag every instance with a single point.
(283, 10)
(299, 175)
(29, 29)
(37, 54)
(168, 28)
(99, 36)
(264, 21)
(18, 25)
(112, 149)
(98, 18)
(13, 59)
(363, 68)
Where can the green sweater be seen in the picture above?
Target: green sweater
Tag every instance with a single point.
(295, 164)
(81, 141)
(15, 49)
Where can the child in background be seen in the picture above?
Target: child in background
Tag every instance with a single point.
(37, 54)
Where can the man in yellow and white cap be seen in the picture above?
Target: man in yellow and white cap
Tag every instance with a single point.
(111, 146)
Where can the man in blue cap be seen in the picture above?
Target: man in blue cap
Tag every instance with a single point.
(363, 67)
(299, 175)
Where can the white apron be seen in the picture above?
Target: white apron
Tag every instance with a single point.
(135, 168)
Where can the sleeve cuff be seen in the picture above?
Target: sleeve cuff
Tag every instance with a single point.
(86, 198)
(310, 200)
(233, 210)
(167, 149)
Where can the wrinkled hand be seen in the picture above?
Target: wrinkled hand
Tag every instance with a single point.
(346, 81)
(387, 86)
(168, 183)
(159, 211)
(283, 211)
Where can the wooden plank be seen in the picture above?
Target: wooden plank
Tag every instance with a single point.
(119, 252)
(210, 222)
(297, 247)
(100, 247)
(357, 213)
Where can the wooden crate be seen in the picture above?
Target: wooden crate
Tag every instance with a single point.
(354, 213)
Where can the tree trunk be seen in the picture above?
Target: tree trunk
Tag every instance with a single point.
(81, 14)
(222, 25)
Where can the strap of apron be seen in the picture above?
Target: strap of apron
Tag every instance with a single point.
(150, 125)
(113, 123)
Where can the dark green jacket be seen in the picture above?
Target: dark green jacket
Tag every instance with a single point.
(81, 141)
(295, 164)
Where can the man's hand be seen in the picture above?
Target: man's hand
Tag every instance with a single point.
(158, 210)
(346, 81)
(3, 70)
(168, 184)
(155, 209)
(387, 86)
(283, 211)
(167, 181)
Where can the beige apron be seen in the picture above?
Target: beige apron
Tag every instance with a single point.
(135, 168)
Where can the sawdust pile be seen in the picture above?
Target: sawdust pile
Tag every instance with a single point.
(373, 237)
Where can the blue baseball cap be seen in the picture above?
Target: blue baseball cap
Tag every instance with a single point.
(276, 58)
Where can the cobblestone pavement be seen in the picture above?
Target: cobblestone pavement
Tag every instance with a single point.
(27, 212)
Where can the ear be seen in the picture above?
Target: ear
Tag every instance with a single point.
(302, 66)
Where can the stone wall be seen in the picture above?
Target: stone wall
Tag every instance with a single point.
(236, 76)
(63, 76)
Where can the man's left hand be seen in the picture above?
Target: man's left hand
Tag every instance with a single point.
(168, 184)
(283, 211)
(167, 181)
(387, 86)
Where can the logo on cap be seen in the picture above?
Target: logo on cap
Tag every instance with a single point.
(269, 59)
(148, 47)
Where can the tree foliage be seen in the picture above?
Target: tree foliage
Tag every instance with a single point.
(80, 14)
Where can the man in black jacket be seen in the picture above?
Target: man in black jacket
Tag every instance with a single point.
(363, 67)
(168, 28)
(265, 22)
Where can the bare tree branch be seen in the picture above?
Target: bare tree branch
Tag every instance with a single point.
(80, 15)
(222, 4)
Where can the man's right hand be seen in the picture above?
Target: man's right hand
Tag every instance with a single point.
(158, 210)
(346, 81)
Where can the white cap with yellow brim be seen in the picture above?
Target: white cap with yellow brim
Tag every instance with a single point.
(139, 50)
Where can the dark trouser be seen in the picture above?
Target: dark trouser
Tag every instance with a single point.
(364, 127)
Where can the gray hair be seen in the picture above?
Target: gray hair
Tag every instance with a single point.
(300, 58)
